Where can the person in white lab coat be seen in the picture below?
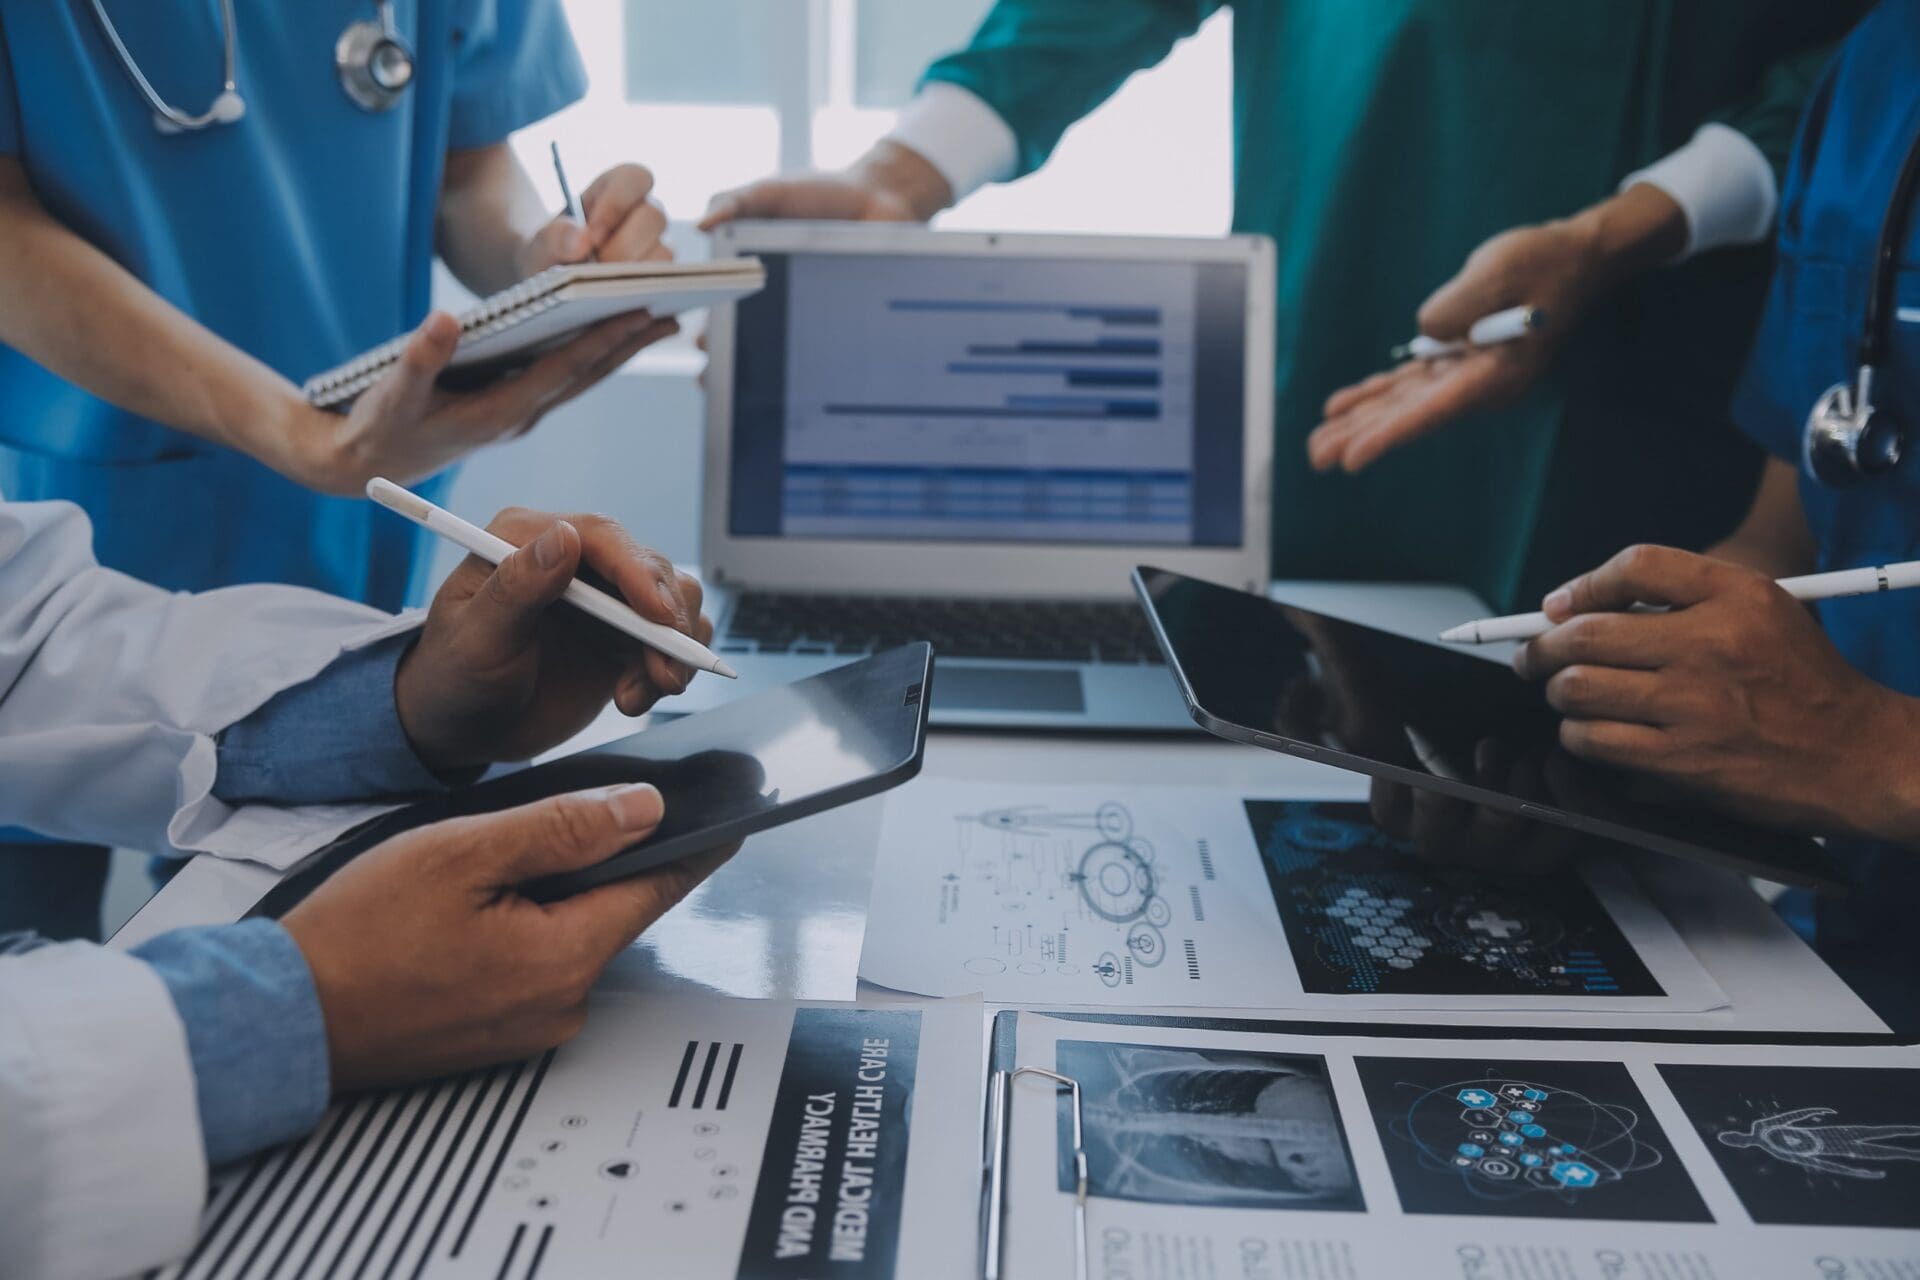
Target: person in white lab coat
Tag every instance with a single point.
(129, 715)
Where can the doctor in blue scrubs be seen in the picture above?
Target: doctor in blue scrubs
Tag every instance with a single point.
(1808, 719)
(202, 202)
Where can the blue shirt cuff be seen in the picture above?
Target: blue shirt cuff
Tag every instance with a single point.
(335, 738)
(255, 1033)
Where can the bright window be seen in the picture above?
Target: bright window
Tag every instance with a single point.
(713, 94)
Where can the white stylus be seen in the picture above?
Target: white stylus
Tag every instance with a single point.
(493, 550)
(1812, 586)
(1487, 331)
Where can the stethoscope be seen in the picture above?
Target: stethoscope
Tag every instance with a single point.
(374, 61)
(1848, 439)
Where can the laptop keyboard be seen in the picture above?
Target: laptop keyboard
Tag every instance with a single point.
(1030, 630)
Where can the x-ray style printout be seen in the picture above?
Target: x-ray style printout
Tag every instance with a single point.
(1164, 897)
(723, 1139)
(1215, 1154)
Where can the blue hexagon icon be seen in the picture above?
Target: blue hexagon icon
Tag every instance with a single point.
(1573, 1175)
(1534, 1095)
(1533, 1131)
(1520, 1115)
(1530, 1160)
(1511, 1139)
(1472, 1150)
(1475, 1097)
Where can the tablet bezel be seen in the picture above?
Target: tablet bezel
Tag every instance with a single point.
(1800, 863)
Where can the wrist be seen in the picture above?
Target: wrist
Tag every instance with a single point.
(1888, 770)
(1628, 234)
(903, 174)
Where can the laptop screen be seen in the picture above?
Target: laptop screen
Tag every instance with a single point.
(990, 398)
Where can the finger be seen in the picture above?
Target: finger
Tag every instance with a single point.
(641, 576)
(611, 197)
(1347, 397)
(561, 240)
(1604, 693)
(776, 198)
(563, 833)
(505, 613)
(646, 330)
(1613, 743)
(560, 374)
(637, 235)
(602, 921)
(409, 385)
(1647, 575)
(1482, 286)
(1632, 641)
(1391, 804)
(1465, 386)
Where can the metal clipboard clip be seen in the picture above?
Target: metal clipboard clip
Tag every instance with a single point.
(994, 1196)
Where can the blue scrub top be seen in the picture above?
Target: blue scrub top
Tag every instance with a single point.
(1858, 130)
(303, 234)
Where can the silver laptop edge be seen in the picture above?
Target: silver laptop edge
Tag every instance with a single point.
(1008, 569)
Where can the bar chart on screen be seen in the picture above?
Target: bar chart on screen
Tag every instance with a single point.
(1021, 400)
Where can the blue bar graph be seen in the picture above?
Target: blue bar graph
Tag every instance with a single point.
(1047, 347)
(1101, 313)
(1073, 375)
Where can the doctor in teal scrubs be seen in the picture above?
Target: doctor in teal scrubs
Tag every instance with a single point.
(202, 202)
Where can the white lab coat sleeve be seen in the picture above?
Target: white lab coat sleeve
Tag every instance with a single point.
(103, 1172)
(111, 691)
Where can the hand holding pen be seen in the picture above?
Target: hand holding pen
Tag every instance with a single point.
(1490, 333)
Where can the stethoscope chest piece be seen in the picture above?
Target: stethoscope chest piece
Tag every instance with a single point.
(1847, 439)
(375, 63)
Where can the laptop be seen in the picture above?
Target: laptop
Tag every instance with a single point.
(970, 439)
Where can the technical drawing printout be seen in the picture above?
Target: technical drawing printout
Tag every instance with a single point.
(1171, 897)
(1218, 1155)
(732, 1139)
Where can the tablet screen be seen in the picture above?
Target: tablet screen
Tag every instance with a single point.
(1429, 716)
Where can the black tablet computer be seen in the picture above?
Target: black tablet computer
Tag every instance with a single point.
(1289, 679)
(725, 774)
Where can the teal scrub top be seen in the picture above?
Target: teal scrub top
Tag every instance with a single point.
(1378, 142)
(302, 233)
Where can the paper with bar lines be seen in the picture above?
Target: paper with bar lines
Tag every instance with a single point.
(716, 1138)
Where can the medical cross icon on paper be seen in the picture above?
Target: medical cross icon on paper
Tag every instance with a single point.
(1494, 925)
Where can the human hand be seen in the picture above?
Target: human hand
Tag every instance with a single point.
(623, 224)
(1734, 694)
(503, 672)
(428, 961)
(1561, 267)
(891, 183)
(1447, 829)
(406, 426)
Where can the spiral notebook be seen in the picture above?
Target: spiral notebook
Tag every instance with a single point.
(514, 325)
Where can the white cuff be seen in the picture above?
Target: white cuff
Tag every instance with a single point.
(104, 1174)
(1724, 185)
(960, 135)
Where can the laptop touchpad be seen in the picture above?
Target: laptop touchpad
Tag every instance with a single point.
(962, 688)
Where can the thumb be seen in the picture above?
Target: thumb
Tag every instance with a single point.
(426, 354)
(562, 833)
(1485, 283)
(561, 240)
(507, 609)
